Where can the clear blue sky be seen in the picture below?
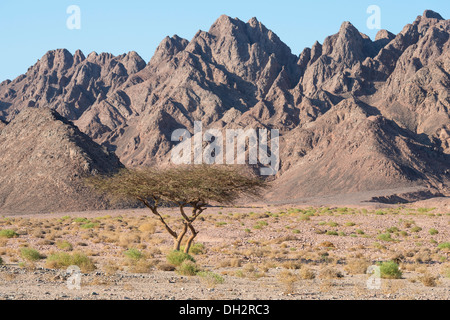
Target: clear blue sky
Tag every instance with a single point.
(28, 28)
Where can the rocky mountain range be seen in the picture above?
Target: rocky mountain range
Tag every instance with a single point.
(355, 114)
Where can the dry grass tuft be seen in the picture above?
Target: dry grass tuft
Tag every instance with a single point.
(357, 266)
(288, 279)
(330, 273)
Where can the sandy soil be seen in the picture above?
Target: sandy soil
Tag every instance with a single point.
(287, 241)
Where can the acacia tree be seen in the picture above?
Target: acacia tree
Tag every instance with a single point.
(186, 187)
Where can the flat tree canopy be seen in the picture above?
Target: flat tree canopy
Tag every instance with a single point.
(193, 186)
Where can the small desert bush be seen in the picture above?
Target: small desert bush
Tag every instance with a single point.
(327, 244)
(165, 267)
(306, 273)
(89, 225)
(64, 245)
(392, 230)
(445, 271)
(210, 278)
(1, 261)
(357, 266)
(332, 224)
(30, 254)
(390, 270)
(291, 265)
(187, 268)
(260, 225)
(433, 232)
(428, 280)
(148, 227)
(197, 248)
(110, 267)
(288, 279)
(8, 233)
(233, 263)
(385, 237)
(142, 266)
(126, 240)
(330, 273)
(133, 254)
(176, 258)
(444, 245)
(62, 260)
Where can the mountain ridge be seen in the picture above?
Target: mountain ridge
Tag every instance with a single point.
(390, 93)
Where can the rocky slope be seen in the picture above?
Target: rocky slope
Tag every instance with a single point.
(44, 159)
(355, 114)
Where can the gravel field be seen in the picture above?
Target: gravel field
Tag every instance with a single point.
(254, 253)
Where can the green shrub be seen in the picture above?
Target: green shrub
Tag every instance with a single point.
(385, 237)
(260, 225)
(81, 220)
(425, 210)
(188, 268)
(332, 233)
(30, 254)
(1, 261)
(7, 233)
(444, 245)
(332, 224)
(433, 232)
(197, 248)
(64, 245)
(304, 217)
(176, 258)
(62, 260)
(390, 270)
(211, 278)
(133, 254)
(89, 225)
(416, 229)
(221, 224)
(392, 230)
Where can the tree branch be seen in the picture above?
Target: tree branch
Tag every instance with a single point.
(156, 213)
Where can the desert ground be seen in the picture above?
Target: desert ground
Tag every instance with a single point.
(252, 252)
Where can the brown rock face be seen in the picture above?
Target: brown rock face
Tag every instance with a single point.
(66, 83)
(354, 114)
(44, 158)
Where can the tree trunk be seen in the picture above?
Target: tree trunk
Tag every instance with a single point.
(191, 239)
(179, 239)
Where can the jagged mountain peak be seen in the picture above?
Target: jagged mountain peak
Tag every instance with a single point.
(384, 35)
(78, 57)
(59, 59)
(430, 14)
(254, 22)
(169, 47)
